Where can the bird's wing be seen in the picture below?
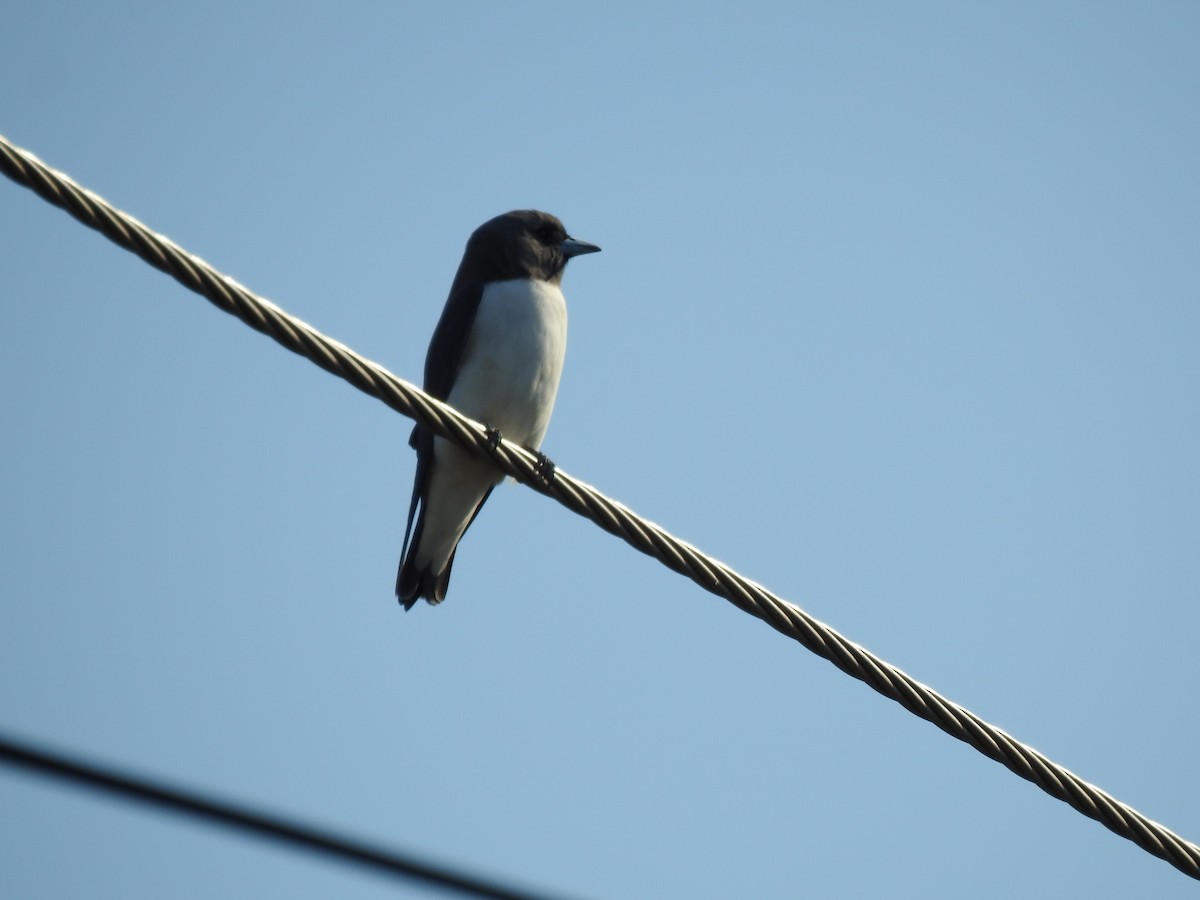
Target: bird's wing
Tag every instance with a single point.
(446, 350)
(450, 337)
(441, 367)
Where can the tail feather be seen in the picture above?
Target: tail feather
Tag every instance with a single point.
(412, 583)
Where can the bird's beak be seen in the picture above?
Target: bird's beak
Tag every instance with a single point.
(571, 247)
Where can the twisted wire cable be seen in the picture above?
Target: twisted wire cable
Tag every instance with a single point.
(613, 517)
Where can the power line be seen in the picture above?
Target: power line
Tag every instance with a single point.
(681, 557)
(132, 787)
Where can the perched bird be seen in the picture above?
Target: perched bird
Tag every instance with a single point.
(496, 356)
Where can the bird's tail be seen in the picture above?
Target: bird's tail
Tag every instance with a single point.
(412, 583)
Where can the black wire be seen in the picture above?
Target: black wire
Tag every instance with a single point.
(44, 762)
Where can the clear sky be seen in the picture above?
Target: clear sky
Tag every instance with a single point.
(898, 314)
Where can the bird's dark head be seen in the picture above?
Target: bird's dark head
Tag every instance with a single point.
(524, 243)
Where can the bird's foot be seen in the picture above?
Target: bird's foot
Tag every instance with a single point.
(544, 467)
(494, 437)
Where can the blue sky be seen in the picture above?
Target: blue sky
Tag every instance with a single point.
(898, 314)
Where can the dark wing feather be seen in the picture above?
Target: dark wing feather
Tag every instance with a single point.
(442, 360)
(450, 337)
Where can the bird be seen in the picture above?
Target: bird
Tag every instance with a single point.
(496, 356)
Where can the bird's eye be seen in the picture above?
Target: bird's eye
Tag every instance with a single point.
(547, 233)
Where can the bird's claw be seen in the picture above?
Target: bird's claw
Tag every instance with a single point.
(544, 466)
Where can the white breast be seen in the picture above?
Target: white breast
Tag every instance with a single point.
(513, 360)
